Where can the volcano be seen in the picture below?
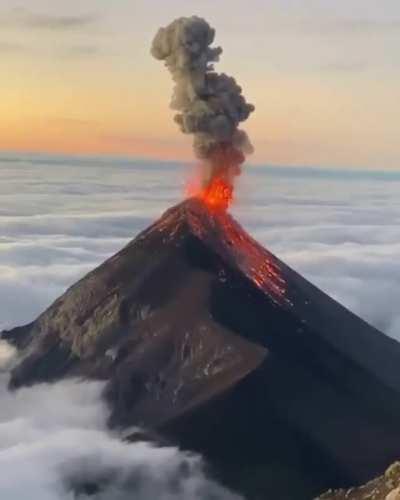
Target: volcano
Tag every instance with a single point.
(207, 339)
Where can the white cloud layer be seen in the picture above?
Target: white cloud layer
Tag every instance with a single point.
(53, 440)
(60, 217)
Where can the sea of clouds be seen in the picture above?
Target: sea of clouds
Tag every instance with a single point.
(60, 217)
(55, 445)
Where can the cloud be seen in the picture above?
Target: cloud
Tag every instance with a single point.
(340, 231)
(21, 18)
(62, 216)
(28, 19)
(54, 441)
(58, 22)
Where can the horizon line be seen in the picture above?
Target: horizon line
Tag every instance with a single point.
(92, 156)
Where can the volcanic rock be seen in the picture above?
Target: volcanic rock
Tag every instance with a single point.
(207, 339)
(385, 487)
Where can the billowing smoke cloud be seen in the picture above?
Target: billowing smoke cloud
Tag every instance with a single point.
(210, 105)
(54, 445)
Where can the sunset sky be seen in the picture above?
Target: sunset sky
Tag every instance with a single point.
(77, 77)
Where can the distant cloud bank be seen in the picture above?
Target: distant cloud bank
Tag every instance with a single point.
(62, 216)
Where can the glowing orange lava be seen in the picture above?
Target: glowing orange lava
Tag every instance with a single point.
(217, 195)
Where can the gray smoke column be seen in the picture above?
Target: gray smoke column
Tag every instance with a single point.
(210, 105)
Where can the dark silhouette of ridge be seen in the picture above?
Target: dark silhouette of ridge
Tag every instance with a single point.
(207, 339)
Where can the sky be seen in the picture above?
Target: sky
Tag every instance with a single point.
(77, 77)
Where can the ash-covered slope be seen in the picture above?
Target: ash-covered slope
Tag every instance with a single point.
(207, 338)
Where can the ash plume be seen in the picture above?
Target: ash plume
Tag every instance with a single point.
(210, 105)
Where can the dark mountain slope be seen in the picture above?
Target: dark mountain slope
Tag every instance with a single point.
(207, 338)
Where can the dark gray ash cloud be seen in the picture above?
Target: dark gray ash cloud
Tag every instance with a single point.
(210, 105)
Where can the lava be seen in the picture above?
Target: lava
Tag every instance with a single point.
(217, 195)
